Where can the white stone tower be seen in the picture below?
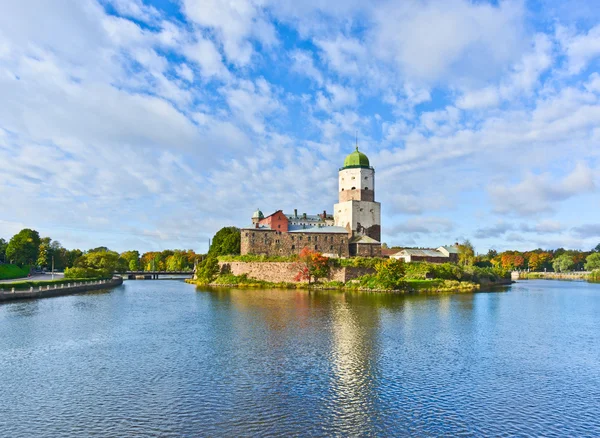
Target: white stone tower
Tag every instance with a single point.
(357, 210)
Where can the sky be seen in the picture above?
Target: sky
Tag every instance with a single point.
(150, 124)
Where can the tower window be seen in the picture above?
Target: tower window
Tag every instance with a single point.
(342, 190)
(353, 188)
(366, 188)
(353, 178)
(316, 247)
(331, 247)
(293, 246)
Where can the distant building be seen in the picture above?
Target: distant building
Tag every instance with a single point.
(443, 254)
(353, 229)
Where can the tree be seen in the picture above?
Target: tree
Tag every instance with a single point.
(23, 247)
(208, 269)
(3, 245)
(72, 256)
(390, 273)
(466, 253)
(100, 264)
(596, 248)
(44, 253)
(535, 262)
(227, 241)
(592, 261)
(311, 266)
(563, 263)
(132, 258)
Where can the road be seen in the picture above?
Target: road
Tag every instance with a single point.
(37, 277)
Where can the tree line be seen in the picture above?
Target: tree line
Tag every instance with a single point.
(27, 248)
(538, 260)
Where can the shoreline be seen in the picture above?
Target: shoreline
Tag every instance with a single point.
(467, 287)
(48, 292)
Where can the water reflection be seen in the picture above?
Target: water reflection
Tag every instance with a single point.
(163, 359)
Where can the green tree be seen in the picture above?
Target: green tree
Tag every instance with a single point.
(227, 241)
(132, 258)
(97, 264)
(23, 247)
(44, 253)
(466, 253)
(592, 261)
(208, 269)
(72, 256)
(3, 245)
(563, 263)
(390, 273)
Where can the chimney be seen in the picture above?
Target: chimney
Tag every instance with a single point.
(295, 212)
(324, 214)
(303, 215)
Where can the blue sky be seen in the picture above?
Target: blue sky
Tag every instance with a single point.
(151, 124)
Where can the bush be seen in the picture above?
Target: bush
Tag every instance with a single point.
(89, 273)
(8, 272)
(355, 262)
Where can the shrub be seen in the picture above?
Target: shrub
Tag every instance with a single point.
(390, 273)
(89, 273)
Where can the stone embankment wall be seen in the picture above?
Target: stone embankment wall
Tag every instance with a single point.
(285, 272)
(581, 275)
(57, 290)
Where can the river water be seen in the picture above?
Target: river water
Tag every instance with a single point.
(160, 358)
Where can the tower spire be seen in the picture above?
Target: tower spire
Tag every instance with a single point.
(357, 140)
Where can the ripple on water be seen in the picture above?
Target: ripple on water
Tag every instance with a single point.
(161, 359)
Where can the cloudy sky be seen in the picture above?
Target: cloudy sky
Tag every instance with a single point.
(150, 124)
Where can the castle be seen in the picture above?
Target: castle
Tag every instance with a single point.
(353, 230)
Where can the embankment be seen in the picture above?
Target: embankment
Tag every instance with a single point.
(57, 290)
(581, 275)
(285, 272)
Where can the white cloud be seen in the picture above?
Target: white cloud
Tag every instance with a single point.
(542, 193)
(579, 48)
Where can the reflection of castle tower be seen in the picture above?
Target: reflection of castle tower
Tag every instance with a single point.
(357, 210)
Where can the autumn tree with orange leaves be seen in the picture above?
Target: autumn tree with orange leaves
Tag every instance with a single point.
(311, 266)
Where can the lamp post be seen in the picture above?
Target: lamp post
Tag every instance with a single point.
(52, 267)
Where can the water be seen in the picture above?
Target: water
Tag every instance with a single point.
(158, 358)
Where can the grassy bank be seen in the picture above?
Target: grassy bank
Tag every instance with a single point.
(8, 272)
(24, 285)
(429, 286)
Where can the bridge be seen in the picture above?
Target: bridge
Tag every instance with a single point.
(153, 275)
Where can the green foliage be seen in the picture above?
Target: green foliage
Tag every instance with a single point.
(257, 258)
(594, 275)
(390, 273)
(98, 263)
(87, 273)
(592, 262)
(207, 270)
(227, 241)
(355, 262)
(8, 272)
(466, 253)
(3, 246)
(23, 247)
(563, 263)
(132, 258)
(44, 253)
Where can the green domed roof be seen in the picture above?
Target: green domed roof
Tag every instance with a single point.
(258, 214)
(356, 159)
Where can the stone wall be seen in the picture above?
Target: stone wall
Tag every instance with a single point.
(285, 272)
(275, 243)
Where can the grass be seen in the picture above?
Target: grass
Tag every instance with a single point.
(8, 272)
(362, 283)
(23, 285)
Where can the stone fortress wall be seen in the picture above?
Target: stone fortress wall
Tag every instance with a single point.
(285, 272)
